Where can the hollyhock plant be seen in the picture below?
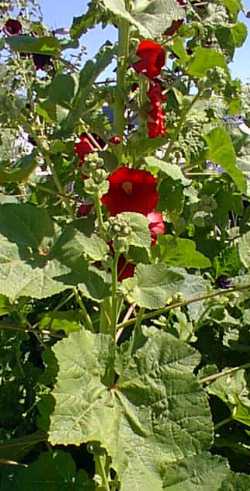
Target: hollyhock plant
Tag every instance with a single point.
(156, 225)
(156, 116)
(12, 27)
(151, 58)
(88, 143)
(131, 190)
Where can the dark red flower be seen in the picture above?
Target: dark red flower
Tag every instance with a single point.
(156, 115)
(156, 225)
(41, 61)
(12, 27)
(115, 140)
(131, 190)
(84, 209)
(125, 269)
(152, 58)
(182, 3)
(175, 26)
(89, 142)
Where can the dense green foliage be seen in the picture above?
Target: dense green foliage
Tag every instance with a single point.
(114, 381)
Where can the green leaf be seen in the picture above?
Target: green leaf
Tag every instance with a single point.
(84, 22)
(179, 49)
(155, 16)
(78, 240)
(52, 471)
(244, 249)
(21, 171)
(150, 18)
(63, 89)
(221, 151)
(154, 285)
(67, 321)
(89, 73)
(179, 252)
(27, 44)
(236, 482)
(5, 306)
(232, 37)
(171, 170)
(203, 60)
(200, 473)
(31, 264)
(154, 413)
(233, 7)
(140, 235)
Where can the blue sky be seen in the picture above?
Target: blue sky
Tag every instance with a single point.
(59, 13)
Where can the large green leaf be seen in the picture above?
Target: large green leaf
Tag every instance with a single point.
(244, 249)
(53, 471)
(28, 44)
(179, 252)
(20, 172)
(29, 262)
(153, 413)
(153, 285)
(236, 482)
(84, 22)
(170, 170)
(150, 17)
(89, 73)
(138, 223)
(221, 151)
(203, 60)
(200, 473)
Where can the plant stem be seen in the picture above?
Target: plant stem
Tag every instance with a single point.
(223, 422)
(123, 47)
(100, 461)
(114, 293)
(87, 318)
(215, 376)
(99, 216)
(198, 298)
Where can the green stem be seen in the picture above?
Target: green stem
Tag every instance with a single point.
(123, 49)
(139, 318)
(98, 210)
(87, 318)
(198, 298)
(223, 422)
(100, 461)
(114, 293)
(215, 376)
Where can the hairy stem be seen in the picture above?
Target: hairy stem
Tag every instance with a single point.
(114, 293)
(100, 461)
(198, 298)
(215, 376)
(123, 48)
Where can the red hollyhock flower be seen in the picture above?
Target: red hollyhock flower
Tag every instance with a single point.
(87, 145)
(12, 27)
(156, 225)
(131, 190)
(175, 26)
(152, 58)
(156, 116)
(124, 268)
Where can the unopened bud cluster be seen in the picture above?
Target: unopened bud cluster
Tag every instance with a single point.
(119, 231)
(97, 176)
